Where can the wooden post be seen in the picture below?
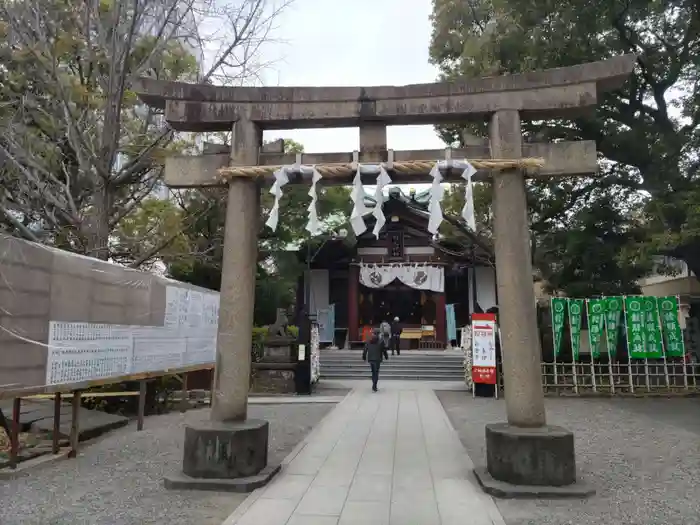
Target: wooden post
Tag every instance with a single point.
(55, 443)
(353, 319)
(211, 387)
(75, 424)
(14, 435)
(184, 395)
(440, 319)
(142, 404)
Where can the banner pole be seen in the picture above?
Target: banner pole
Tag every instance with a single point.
(554, 342)
(663, 344)
(573, 351)
(495, 390)
(629, 352)
(683, 364)
(590, 344)
(611, 372)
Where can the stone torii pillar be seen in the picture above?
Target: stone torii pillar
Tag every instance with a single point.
(229, 452)
(525, 456)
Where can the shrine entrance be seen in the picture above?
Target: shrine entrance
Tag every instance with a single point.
(395, 300)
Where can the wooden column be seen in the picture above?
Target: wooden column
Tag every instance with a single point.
(233, 345)
(440, 317)
(520, 345)
(353, 302)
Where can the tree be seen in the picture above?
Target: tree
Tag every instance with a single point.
(80, 152)
(647, 131)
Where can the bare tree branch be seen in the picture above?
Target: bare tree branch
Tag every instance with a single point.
(78, 152)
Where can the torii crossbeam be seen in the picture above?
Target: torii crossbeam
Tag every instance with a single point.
(523, 452)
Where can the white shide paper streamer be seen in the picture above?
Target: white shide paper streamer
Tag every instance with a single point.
(436, 195)
(312, 225)
(382, 180)
(468, 210)
(281, 179)
(359, 209)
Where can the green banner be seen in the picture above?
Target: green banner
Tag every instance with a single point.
(673, 335)
(575, 315)
(654, 345)
(634, 321)
(558, 314)
(613, 312)
(596, 319)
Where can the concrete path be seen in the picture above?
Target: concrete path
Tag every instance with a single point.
(390, 458)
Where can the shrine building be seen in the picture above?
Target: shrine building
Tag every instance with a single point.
(432, 283)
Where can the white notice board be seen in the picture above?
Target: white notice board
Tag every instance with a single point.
(85, 351)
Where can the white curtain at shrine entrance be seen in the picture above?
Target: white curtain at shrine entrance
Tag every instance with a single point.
(418, 276)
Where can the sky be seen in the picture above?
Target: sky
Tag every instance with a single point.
(350, 43)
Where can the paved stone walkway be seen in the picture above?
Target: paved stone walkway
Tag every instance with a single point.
(390, 458)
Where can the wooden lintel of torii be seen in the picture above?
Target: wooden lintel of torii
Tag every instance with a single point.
(560, 159)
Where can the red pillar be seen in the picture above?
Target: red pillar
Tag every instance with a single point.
(353, 285)
(440, 318)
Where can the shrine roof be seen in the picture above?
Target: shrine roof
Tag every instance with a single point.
(473, 246)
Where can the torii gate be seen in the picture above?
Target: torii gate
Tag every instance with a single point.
(523, 451)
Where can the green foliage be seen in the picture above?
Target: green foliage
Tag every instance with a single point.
(648, 131)
(154, 229)
(453, 203)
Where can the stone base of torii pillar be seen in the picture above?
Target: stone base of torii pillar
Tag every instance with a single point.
(229, 452)
(525, 457)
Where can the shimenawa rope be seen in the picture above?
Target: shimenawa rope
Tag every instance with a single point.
(411, 167)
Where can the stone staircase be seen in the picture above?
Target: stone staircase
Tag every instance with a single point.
(425, 365)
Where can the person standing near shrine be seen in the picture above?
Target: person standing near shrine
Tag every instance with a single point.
(396, 331)
(375, 352)
(385, 333)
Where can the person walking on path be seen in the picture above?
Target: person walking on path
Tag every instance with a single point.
(396, 337)
(375, 352)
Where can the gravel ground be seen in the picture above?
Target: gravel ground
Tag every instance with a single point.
(642, 455)
(118, 480)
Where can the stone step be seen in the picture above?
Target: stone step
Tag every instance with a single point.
(364, 366)
(403, 357)
(394, 362)
(410, 365)
(403, 376)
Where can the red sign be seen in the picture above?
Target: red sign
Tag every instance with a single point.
(484, 374)
(484, 348)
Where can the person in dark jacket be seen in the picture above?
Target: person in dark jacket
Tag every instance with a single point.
(375, 352)
(396, 336)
